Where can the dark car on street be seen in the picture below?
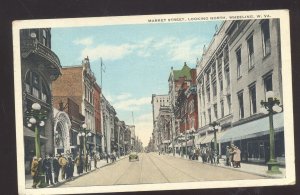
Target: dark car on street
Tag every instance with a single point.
(133, 156)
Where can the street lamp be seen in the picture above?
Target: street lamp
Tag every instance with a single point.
(214, 127)
(83, 132)
(192, 136)
(270, 107)
(36, 117)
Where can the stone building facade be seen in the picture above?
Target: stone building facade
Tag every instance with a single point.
(40, 66)
(157, 102)
(241, 64)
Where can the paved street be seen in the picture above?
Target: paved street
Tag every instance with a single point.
(154, 168)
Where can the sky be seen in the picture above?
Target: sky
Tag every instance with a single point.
(137, 59)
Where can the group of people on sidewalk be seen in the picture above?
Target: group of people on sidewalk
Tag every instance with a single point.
(233, 156)
(209, 155)
(45, 171)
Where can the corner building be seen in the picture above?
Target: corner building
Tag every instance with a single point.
(246, 62)
(40, 66)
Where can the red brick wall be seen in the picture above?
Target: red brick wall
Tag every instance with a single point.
(69, 84)
(97, 92)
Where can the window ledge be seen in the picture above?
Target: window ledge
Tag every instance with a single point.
(251, 68)
(266, 56)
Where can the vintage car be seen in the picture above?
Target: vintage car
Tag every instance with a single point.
(133, 156)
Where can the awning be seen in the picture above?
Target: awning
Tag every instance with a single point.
(208, 139)
(30, 133)
(252, 129)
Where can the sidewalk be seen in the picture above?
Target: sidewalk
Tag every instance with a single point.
(100, 164)
(260, 170)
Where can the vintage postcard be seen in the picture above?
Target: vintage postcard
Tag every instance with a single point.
(156, 102)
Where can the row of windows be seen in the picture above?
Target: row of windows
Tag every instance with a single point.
(88, 95)
(252, 96)
(215, 110)
(36, 86)
(266, 44)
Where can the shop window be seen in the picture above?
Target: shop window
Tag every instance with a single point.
(265, 28)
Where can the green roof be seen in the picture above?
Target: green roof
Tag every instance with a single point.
(184, 72)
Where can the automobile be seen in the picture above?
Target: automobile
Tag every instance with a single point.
(133, 156)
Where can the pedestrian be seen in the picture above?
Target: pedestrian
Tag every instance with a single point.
(70, 167)
(35, 171)
(95, 160)
(237, 157)
(107, 157)
(228, 155)
(216, 157)
(56, 168)
(78, 162)
(89, 158)
(63, 162)
(47, 169)
(231, 151)
(197, 153)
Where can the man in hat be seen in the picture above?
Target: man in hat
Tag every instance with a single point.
(56, 168)
(63, 162)
(35, 171)
(47, 169)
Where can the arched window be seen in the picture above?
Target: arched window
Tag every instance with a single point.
(36, 86)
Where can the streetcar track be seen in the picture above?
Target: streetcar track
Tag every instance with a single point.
(126, 170)
(160, 170)
(197, 179)
(141, 173)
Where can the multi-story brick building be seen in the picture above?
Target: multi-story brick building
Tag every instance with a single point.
(77, 83)
(182, 88)
(40, 66)
(241, 64)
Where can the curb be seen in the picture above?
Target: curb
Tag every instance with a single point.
(83, 174)
(239, 170)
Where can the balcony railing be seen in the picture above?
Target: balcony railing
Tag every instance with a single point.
(43, 53)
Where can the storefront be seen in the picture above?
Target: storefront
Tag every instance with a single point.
(253, 140)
